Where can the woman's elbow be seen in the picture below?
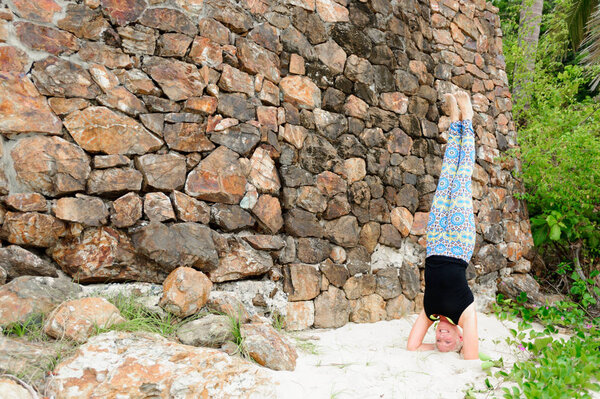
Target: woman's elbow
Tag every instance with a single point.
(411, 347)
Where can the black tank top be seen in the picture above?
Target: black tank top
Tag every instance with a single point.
(446, 290)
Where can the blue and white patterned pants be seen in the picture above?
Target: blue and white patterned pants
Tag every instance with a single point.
(451, 227)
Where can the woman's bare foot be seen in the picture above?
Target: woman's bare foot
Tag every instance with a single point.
(464, 103)
(451, 107)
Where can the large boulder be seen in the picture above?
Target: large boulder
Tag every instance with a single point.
(185, 291)
(168, 370)
(267, 347)
(50, 165)
(28, 297)
(17, 261)
(77, 319)
(104, 254)
(238, 260)
(182, 244)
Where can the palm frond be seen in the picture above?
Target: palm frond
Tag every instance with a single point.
(591, 47)
(577, 18)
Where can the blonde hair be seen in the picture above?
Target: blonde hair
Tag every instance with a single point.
(457, 348)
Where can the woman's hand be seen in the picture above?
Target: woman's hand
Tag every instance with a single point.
(417, 333)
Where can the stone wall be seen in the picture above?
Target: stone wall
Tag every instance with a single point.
(293, 142)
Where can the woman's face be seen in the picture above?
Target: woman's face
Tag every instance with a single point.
(447, 336)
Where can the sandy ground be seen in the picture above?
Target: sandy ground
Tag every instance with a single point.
(371, 361)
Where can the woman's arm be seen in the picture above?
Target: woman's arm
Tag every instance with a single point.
(468, 319)
(415, 338)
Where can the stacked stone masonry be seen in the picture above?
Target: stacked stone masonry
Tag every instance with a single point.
(296, 141)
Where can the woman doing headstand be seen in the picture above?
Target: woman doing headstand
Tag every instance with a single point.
(450, 244)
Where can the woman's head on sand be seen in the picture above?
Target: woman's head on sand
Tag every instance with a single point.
(448, 337)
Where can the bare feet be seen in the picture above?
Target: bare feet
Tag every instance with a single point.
(451, 107)
(464, 103)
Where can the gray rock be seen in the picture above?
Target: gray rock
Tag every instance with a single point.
(182, 244)
(210, 331)
(332, 309)
(240, 138)
(388, 283)
(17, 261)
(231, 217)
(410, 279)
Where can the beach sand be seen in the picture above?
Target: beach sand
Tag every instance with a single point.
(370, 361)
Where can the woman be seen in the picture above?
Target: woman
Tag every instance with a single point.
(450, 243)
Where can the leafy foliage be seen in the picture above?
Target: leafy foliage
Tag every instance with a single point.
(554, 367)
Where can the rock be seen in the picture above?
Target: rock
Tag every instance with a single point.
(121, 13)
(263, 173)
(46, 39)
(163, 172)
(110, 161)
(402, 220)
(330, 11)
(317, 154)
(98, 129)
(513, 285)
(42, 11)
(343, 231)
(102, 54)
(158, 208)
(77, 319)
(399, 142)
(185, 291)
(295, 135)
(256, 59)
(332, 309)
(268, 212)
(227, 303)
(521, 266)
(490, 258)
(390, 236)
(311, 199)
(211, 331)
(331, 184)
(103, 254)
(267, 347)
(26, 297)
(358, 260)
(205, 52)
(231, 217)
(395, 102)
(17, 261)
(299, 315)
(329, 124)
(300, 91)
(114, 181)
(12, 59)
(12, 388)
(410, 279)
(237, 260)
(332, 55)
(302, 282)
(368, 309)
(19, 356)
(27, 202)
(268, 242)
(178, 80)
(357, 286)
(50, 165)
(369, 235)
(399, 307)
(130, 368)
(189, 209)
(419, 226)
(388, 283)
(234, 80)
(126, 210)
(301, 223)
(24, 109)
(187, 137)
(89, 211)
(182, 244)
(240, 138)
(218, 178)
(83, 22)
(169, 20)
(313, 250)
(336, 274)
(60, 78)
(32, 228)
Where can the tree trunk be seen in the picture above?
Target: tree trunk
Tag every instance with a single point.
(529, 33)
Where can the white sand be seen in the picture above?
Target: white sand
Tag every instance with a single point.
(371, 361)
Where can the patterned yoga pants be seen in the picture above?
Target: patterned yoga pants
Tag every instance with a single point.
(451, 227)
